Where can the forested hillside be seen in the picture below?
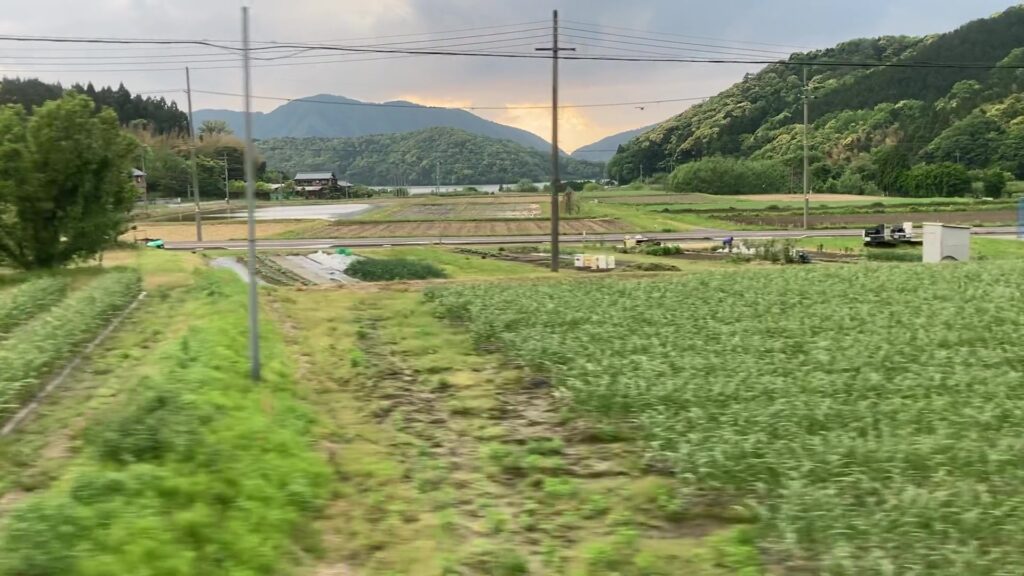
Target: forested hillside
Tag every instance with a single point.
(155, 114)
(415, 158)
(870, 124)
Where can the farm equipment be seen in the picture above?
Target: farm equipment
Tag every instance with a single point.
(886, 235)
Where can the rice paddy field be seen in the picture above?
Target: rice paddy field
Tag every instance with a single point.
(865, 419)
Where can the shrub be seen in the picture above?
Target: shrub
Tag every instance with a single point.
(664, 250)
(994, 182)
(592, 187)
(526, 185)
(390, 269)
(947, 180)
(852, 183)
(720, 175)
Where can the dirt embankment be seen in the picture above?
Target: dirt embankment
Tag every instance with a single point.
(184, 232)
(969, 217)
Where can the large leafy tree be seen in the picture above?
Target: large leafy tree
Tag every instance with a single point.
(65, 190)
(947, 179)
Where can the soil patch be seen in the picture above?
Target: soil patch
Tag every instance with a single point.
(460, 228)
(468, 211)
(971, 217)
(186, 231)
(657, 199)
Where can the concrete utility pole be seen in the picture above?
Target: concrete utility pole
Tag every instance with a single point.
(250, 200)
(227, 187)
(807, 161)
(555, 180)
(192, 154)
(437, 179)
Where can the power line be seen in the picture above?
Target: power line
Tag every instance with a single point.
(648, 33)
(679, 43)
(417, 106)
(295, 54)
(529, 56)
(331, 59)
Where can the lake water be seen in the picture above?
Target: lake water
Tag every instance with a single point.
(421, 190)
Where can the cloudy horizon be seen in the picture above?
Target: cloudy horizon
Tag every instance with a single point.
(519, 88)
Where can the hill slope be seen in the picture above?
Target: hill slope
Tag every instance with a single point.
(605, 148)
(859, 110)
(412, 158)
(329, 116)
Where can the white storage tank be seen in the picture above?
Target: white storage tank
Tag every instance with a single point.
(945, 242)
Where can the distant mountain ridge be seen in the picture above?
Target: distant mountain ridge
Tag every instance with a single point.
(605, 148)
(330, 116)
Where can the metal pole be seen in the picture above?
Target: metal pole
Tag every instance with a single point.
(192, 154)
(554, 144)
(250, 198)
(807, 176)
(227, 188)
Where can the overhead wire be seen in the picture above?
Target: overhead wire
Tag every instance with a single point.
(673, 43)
(648, 33)
(419, 106)
(532, 56)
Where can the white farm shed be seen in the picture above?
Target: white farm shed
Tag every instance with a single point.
(943, 242)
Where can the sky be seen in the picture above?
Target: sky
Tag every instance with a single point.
(518, 89)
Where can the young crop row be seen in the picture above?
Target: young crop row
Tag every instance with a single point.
(36, 347)
(21, 303)
(196, 471)
(870, 417)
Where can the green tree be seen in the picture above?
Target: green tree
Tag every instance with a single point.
(973, 141)
(993, 182)
(718, 175)
(946, 180)
(65, 191)
(891, 164)
(214, 127)
(1011, 153)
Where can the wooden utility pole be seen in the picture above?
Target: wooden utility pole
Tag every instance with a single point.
(555, 180)
(227, 186)
(807, 161)
(192, 154)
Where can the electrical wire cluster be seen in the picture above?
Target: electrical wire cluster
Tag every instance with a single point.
(592, 42)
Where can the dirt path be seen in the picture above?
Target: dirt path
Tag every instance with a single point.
(451, 461)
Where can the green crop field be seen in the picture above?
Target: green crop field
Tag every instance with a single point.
(867, 419)
(41, 336)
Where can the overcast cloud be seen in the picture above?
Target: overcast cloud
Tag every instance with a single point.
(453, 81)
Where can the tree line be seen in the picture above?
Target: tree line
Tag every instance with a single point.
(449, 155)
